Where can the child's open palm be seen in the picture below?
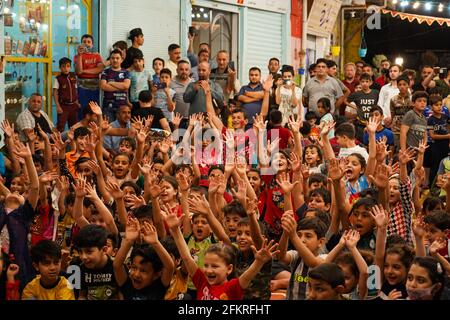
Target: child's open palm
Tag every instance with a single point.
(132, 230)
(113, 188)
(352, 239)
(199, 204)
(437, 245)
(173, 222)
(379, 215)
(419, 227)
(267, 251)
(80, 187)
(335, 171)
(22, 151)
(149, 233)
(288, 222)
(285, 183)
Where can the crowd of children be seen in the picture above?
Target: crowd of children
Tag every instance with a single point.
(311, 206)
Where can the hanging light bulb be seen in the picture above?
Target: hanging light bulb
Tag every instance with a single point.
(428, 6)
(198, 15)
(394, 1)
(440, 7)
(416, 4)
(399, 61)
(193, 15)
(404, 3)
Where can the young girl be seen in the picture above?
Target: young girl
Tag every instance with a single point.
(324, 108)
(254, 178)
(140, 80)
(313, 158)
(425, 280)
(151, 265)
(158, 65)
(213, 282)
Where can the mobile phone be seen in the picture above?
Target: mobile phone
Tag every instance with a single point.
(192, 31)
(442, 73)
(160, 85)
(231, 65)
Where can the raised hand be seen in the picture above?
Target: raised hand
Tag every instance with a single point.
(172, 221)
(94, 167)
(288, 223)
(394, 295)
(335, 170)
(294, 124)
(135, 202)
(379, 215)
(285, 183)
(372, 125)
(182, 180)
(132, 229)
(267, 251)
(137, 123)
(419, 227)
(423, 145)
(437, 246)
(268, 83)
(95, 108)
(7, 127)
(199, 204)
(105, 125)
(142, 135)
(22, 151)
(155, 190)
(91, 143)
(295, 162)
(62, 184)
(148, 121)
(149, 233)
(176, 120)
(381, 148)
(59, 143)
(241, 194)
(12, 272)
(381, 179)
(48, 177)
(352, 238)
(113, 188)
(91, 193)
(327, 128)
(80, 187)
(406, 156)
(165, 145)
(259, 123)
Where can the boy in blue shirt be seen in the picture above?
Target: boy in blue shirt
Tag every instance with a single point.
(377, 113)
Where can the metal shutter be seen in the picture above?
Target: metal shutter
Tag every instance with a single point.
(262, 41)
(159, 21)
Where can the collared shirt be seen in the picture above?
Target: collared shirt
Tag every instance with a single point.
(222, 80)
(181, 107)
(173, 66)
(197, 98)
(113, 142)
(252, 108)
(26, 120)
(315, 89)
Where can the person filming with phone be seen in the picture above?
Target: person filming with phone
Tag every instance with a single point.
(288, 96)
(225, 76)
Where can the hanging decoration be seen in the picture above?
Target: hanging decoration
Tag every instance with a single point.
(415, 17)
(363, 45)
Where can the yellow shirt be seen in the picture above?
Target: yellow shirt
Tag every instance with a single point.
(178, 285)
(34, 291)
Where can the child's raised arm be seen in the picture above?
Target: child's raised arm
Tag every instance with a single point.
(174, 226)
(151, 237)
(338, 248)
(255, 230)
(381, 220)
(102, 209)
(437, 245)
(184, 191)
(132, 232)
(118, 194)
(335, 173)
(24, 152)
(351, 240)
(262, 256)
(80, 193)
(372, 126)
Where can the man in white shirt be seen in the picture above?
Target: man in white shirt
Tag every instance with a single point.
(388, 91)
(174, 57)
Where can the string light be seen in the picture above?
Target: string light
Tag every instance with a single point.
(404, 3)
(416, 5)
(394, 1)
(428, 6)
(441, 7)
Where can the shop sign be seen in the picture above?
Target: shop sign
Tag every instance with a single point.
(323, 16)
(282, 6)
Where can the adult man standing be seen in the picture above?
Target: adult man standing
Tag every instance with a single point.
(427, 76)
(137, 40)
(350, 80)
(388, 91)
(88, 66)
(225, 76)
(274, 66)
(252, 95)
(174, 57)
(203, 56)
(115, 83)
(332, 72)
(322, 85)
(384, 70)
(180, 84)
(196, 96)
(32, 116)
(367, 68)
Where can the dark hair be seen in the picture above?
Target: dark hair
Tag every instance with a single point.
(365, 76)
(434, 99)
(323, 193)
(395, 240)
(121, 154)
(144, 211)
(145, 96)
(81, 132)
(91, 236)
(312, 66)
(133, 185)
(172, 181)
(400, 68)
(346, 258)
(148, 255)
(434, 270)
(64, 61)
(326, 103)
(80, 161)
(234, 207)
(45, 249)
(246, 222)
(216, 167)
(322, 215)
(69, 200)
(114, 240)
(274, 59)
(166, 71)
(39, 159)
(317, 178)
(182, 167)
(431, 203)
(173, 46)
(203, 51)
(116, 51)
(329, 63)
(329, 273)
(122, 45)
(360, 158)
(346, 129)
(169, 244)
(139, 55)
(87, 36)
(254, 69)
(287, 68)
(364, 202)
(404, 78)
(225, 252)
(158, 59)
(439, 218)
(376, 108)
(313, 223)
(182, 61)
(405, 252)
(240, 110)
(306, 128)
(418, 95)
(370, 192)
(35, 94)
(311, 115)
(276, 117)
(131, 142)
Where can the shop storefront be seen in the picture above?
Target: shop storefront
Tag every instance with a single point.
(36, 35)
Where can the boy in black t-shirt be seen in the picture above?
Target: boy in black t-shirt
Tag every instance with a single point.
(97, 275)
(145, 109)
(364, 101)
